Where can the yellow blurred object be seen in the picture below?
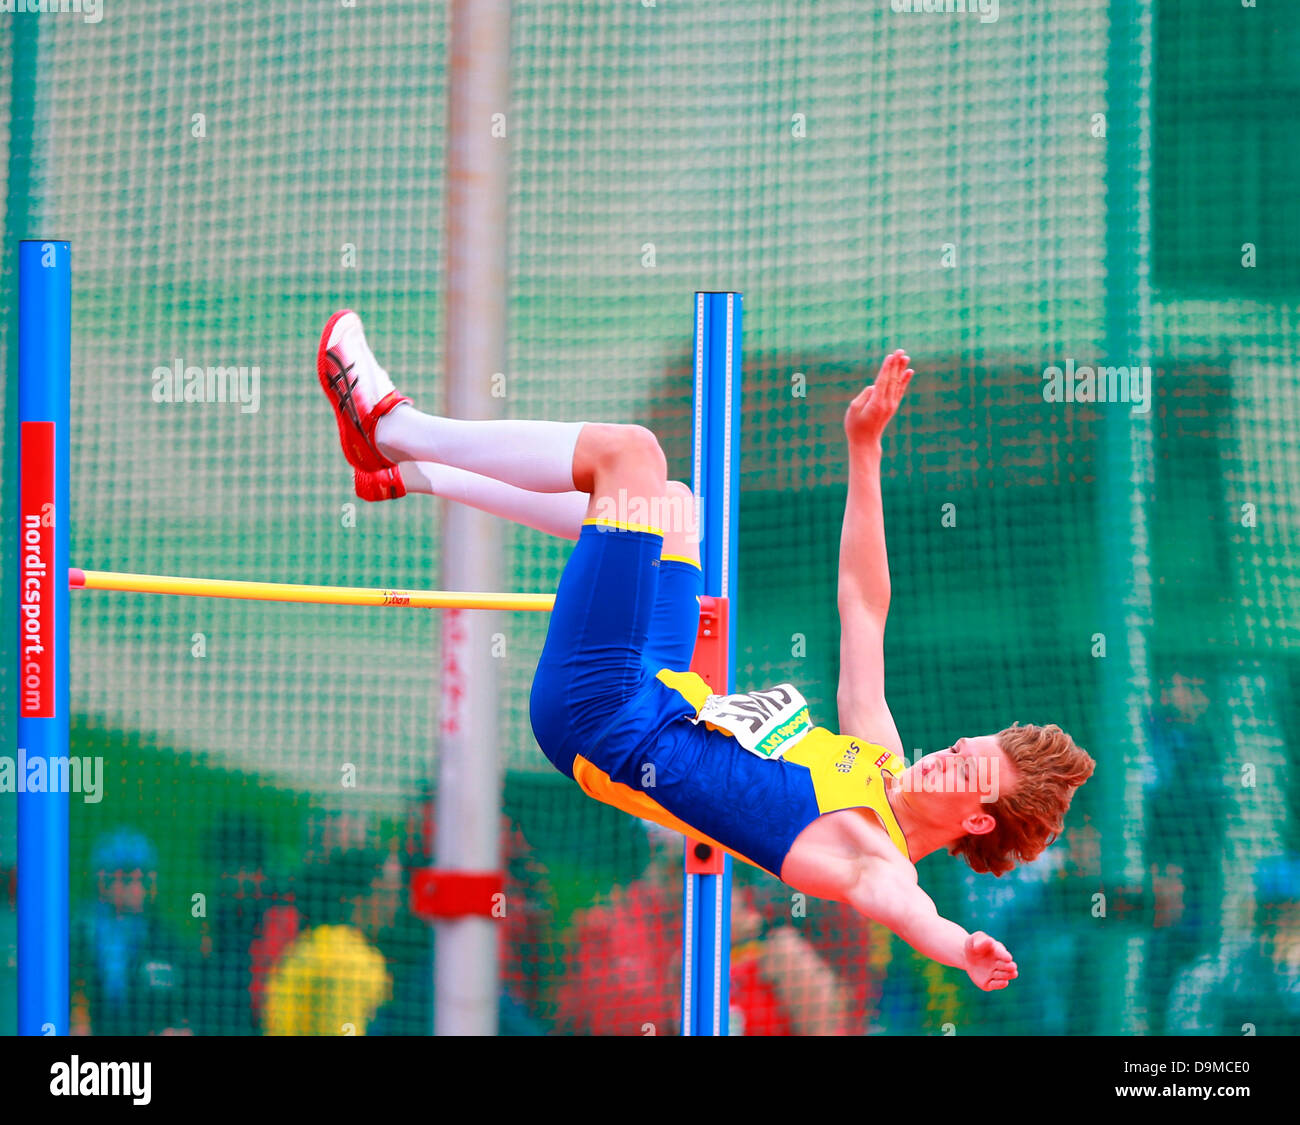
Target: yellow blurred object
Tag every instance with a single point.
(330, 981)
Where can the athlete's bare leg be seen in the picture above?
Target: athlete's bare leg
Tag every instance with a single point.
(624, 470)
(682, 536)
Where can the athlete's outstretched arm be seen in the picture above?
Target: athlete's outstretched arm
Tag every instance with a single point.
(884, 894)
(864, 588)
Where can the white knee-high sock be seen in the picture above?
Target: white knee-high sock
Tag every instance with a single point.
(556, 513)
(535, 456)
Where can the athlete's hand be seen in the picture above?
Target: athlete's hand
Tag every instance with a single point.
(869, 413)
(989, 963)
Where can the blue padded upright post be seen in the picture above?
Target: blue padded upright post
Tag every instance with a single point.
(44, 377)
(706, 938)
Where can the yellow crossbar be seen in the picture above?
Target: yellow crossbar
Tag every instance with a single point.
(318, 595)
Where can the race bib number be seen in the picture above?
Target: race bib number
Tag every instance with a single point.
(766, 723)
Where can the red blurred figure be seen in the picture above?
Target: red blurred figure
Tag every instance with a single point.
(623, 969)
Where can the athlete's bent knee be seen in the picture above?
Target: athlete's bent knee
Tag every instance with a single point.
(638, 446)
(608, 449)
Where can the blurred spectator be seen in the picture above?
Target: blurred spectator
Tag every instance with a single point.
(780, 984)
(9, 951)
(624, 961)
(526, 945)
(329, 832)
(1184, 833)
(331, 979)
(129, 976)
(623, 971)
(276, 930)
(1254, 978)
(529, 945)
(334, 830)
(407, 946)
(856, 950)
(237, 847)
(1049, 927)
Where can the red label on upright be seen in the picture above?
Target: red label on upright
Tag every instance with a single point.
(710, 659)
(36, 572)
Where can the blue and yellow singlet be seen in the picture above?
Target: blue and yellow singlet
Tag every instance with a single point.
(736, 794)
(745, 772)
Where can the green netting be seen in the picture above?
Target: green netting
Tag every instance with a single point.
(228, 176)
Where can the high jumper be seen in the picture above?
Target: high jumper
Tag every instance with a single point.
(613, 706)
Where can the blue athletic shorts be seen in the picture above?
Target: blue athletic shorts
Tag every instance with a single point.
(621, 616)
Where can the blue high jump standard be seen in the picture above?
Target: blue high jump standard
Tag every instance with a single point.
(715, 480)
(44, 369)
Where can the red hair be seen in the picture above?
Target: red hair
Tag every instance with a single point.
(1049, 768)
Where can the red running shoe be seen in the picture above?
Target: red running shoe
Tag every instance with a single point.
(359, 390)
(386, 484)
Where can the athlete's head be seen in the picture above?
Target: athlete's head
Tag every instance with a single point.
(1038, 769)
(956, 787)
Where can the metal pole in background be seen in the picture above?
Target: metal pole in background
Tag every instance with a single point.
(715, 480)
(466, 949)
(44, 383)
(1125, 476)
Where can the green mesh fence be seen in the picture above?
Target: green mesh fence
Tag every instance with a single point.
(229, 175)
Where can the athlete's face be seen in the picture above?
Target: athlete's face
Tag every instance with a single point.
(958, 785)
